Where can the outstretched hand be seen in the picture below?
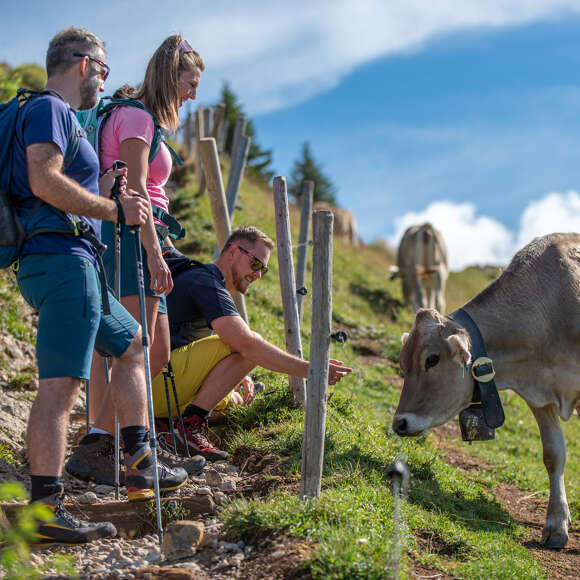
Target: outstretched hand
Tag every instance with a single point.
(337, 371)
(249, 392)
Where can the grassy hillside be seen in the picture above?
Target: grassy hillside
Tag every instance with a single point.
(453, 513)
(451, 522)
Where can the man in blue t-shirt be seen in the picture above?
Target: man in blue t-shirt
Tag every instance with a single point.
(58, 277)
(213, 349)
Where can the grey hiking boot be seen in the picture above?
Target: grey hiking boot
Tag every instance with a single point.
(94, 460)
(140, 475)
(66, 528)
(165, 453)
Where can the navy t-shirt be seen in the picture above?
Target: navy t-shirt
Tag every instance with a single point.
(199, 296)
(48, 119)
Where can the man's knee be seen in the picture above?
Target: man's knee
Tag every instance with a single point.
(244, 363)
(134, 352)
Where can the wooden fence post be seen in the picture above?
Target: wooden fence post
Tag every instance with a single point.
(199, 134)
(237, 166)
(218, 119)
(287, 284)
(217, 197)
(222, 136)
(188, 133)
(239, 131)
(302, 253)
(208, 114)
(315, 420)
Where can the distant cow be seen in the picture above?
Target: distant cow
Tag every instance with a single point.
(423, 267)
(530, 322)
(344, 222)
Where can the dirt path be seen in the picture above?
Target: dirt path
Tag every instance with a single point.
(526, 509)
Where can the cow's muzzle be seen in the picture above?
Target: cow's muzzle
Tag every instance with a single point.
(404, 427)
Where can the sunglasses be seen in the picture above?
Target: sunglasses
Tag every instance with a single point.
(256, 264)
(105, 67)
(184, 46)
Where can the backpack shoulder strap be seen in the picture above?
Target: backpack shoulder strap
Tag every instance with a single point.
(158, 132)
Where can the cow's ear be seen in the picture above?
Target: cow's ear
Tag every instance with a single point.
(459, 349)
(404, 337)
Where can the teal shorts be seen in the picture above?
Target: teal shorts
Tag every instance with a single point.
(66, 292)
(129, 283)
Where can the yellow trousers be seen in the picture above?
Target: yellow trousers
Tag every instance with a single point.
(191, 365)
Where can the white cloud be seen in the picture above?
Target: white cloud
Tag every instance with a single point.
(478, 239)
(556, 212)
(278, 54)
(275, 53)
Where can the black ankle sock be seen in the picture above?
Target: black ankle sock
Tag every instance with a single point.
(134, 437)
(192, 410)
(44, 485)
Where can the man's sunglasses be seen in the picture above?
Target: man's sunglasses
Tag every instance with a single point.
(256, 264)
(105, 67)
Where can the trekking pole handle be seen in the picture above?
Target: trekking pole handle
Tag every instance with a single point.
(116, 189)
(115, 194)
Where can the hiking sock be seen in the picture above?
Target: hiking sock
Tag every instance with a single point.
(92, 438)
(134, 438)
(42, 486)
(94, 430)
(192, 410)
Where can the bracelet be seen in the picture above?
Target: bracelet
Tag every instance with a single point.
(120, 212)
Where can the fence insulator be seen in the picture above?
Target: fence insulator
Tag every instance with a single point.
(340, 336)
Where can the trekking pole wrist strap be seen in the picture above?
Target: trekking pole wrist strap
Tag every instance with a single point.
(120, 212)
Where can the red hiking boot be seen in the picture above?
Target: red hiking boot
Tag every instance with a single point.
(197, 441)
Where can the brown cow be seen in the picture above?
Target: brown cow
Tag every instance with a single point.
(344, 222)
(423, 267)
(530, 321)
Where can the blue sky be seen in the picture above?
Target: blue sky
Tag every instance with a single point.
(465, 113)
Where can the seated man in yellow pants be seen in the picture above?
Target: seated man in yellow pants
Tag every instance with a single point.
(213, 349)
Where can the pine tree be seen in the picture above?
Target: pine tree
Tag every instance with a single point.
(307, 168)
(259, 160)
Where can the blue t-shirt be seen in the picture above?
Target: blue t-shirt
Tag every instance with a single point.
(199, 296)
(48, 119)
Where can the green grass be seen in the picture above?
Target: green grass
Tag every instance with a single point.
(12, 319)
(351, 526)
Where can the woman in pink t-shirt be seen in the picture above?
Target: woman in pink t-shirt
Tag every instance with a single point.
(172, 77)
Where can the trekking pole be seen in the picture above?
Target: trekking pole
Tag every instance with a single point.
(136, 231)
(169, 412)
(179, 414)
(117, 466)
(88, 397)
(398, 472)
(115, 193)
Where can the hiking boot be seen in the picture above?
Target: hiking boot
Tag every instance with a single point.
(196, 440)
(139, 481)
(94, 460)
(165, 452)
(68, 529)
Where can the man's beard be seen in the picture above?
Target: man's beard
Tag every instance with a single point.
(89, 93)
(238, 283)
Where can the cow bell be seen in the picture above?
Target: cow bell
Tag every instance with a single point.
(473, 425)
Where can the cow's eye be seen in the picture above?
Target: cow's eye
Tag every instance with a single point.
(431, 361)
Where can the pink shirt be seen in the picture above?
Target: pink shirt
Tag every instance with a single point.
(133, 123)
